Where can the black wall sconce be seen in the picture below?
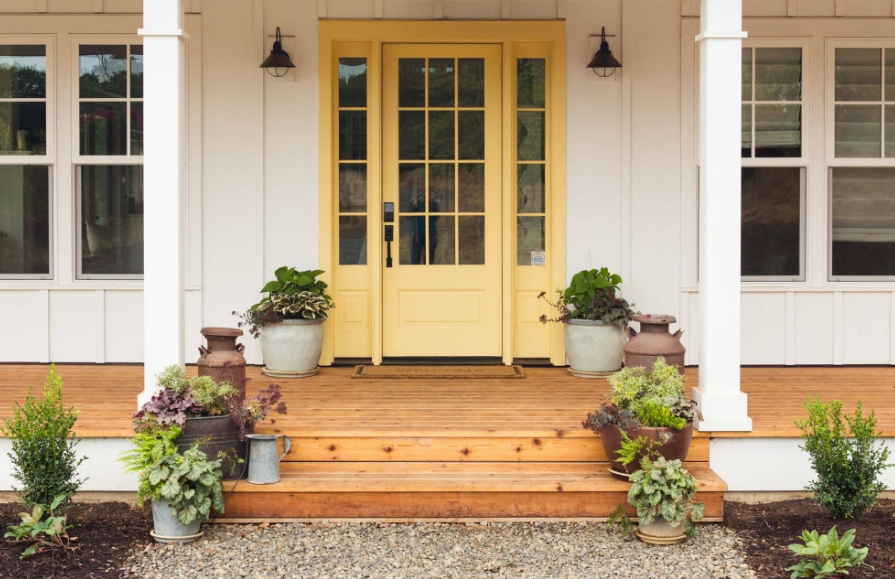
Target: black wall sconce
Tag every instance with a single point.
(278, 63)
(603, 63)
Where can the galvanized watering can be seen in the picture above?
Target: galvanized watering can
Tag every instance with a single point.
(264, 463)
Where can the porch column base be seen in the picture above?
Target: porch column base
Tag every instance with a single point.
(722, 412)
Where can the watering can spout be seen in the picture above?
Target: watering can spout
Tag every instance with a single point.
(264, 457)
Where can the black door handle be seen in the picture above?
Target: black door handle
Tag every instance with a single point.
(389, 237)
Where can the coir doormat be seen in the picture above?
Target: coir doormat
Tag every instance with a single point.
(437, 372)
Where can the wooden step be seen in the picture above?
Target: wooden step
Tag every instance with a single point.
(446, 490)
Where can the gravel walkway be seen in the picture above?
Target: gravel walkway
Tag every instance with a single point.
(439, 550)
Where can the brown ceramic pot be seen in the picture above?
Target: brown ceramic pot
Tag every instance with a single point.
(653, 341)
(223, 359)
(676, 446)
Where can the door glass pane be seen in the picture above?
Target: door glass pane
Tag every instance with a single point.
(411, 82)
(890, 74)
(412, 135)
(471, 82)
(441, 134)
(23, 71)
(778, 74)
(441, 82)
(530, 136)
(531, 76)
(111, 219)
(137, 128)
(471, 131)
(412, 240)
(530, 194)
(412, 188)
(441, 240)
(472, 239)
(890, 131)
(352, 82)
(858, 74)
(858, 130)
(746, 138)
(778, 130)
(103, 71)
(24, 220)
(441, 188)
(747, 74)
(863, 209)
(104, 128)
(137, 71)
(23, 128)
(352, 240)
(472, 187)
(352, 188)
(352, 135)
(529, 237)
(771, 221)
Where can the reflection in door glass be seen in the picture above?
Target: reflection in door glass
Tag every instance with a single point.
(352, 240)
(441, 134)
(441, 240)
(412, 240)
(472, 239)
(411, 188)
(471, 191)
(529, 238)
(441, 188)
(412, 135)
(411, 82)
(471, 132)
(471, 82)
(441, 82)
(530, 195)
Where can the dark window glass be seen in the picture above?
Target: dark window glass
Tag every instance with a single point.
(352, 135)
(412, 135)
(103, 71)
(411, 82)
(137, 71)
(24, 220)
(531, 77)
(352, 240)
(23, 71)
(23, 128)
(471, 82)
(111, 219)
(771, 221)
(103, 128)
(441, 82)
(863, 213)
(352, 82)
(352, 188)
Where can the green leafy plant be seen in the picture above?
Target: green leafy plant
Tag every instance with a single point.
(620, 521)
(43, 445)
(826, 554)
(151, 446)
(583, 288)
(211, 395)
(846, 455)
(665, 489)
(293, 295)
(189, 482)
(638, 448)
(654, 413)
(45, 534)
(609, 310)
(654, 396)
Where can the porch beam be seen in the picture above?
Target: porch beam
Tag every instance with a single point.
(164, 186)
(721, 401)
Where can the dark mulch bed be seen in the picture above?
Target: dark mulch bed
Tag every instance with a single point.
(769, 529)
(106, 532)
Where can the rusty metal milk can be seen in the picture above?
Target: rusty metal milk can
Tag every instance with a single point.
(222, 359)
(653, 341)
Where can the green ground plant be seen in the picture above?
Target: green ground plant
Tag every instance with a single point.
(44, 534)
(665, 489)
(825, 555)
(620, 522)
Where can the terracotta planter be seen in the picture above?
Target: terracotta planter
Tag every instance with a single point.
(291, 348)
(222, 359)
(676, 446)
(216, 434)
(595, 349)
(653, 341)
(660, 532)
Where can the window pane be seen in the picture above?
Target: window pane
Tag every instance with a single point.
(747, 74)
(472, 239)
(529, 238)
(441, 188)
(352, 82)
(890, 130)
(412, 240)
(471, 129)
(472, 187)
(137, 128)
(412, 135)
(441, 134)
(352, 135)
(103, 128)
(530, 136)
(530, 193)
(111, 219)
(23, 71)
(441, 82)
(778, 130)
(858, 130)
(778, 74)
(441, 240)
(746, 138)
(531, 77)
(137, 71)
(23, 128)
(863, 221)
(352, 240)
(858, 74)
(352, 188)
(411, 82)
(471, 82)
(24, 220)
(771, 221)
(103, 71)
(411, 188)
(890, 74)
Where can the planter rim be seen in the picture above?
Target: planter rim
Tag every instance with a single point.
(227, 416)
(298, 322)
(222, 332)
(689, 422)
(580, 322)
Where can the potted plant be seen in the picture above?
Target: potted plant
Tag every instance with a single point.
(289, 321)
(647, 416)
(663, 493)
(595, 321)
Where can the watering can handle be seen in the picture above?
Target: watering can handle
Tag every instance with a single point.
(287, 444)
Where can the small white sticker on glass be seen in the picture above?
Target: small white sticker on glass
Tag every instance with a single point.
(538, 257)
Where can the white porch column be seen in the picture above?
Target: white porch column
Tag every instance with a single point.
(163, 177)
(720, 399)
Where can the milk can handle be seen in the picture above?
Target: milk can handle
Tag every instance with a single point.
(631, 332)
(677, 335)
(203, 351)
(287, 444)
(241, 348)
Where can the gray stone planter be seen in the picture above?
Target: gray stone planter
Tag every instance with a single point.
(291, 348)
(594, 349)
(167, 528)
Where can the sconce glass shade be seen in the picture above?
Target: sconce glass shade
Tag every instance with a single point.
(604, 64)
(278, 63)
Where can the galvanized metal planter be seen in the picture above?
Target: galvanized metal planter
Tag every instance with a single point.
(594, 348)
(216, 434)
(167, 528)
(291, 348)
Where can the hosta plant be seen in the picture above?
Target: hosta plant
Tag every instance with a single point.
(825, 555)
(293, 295)
(665, 489)
(189, 482)
(45, 534)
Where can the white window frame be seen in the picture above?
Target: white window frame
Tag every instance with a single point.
(47, 160)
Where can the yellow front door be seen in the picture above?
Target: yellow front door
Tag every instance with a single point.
(441, 171)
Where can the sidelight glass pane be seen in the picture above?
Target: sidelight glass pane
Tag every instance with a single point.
(471, 131)
(890, 131)
(530, 192)
(23, 128)
(441, 240)
(441, 188)
(530, 136)
(104, 128)
(778, 130)
(352, 135)
(411, 135)
(746, 137)
(890, 74)
(858, 130)
(863, 208)
(471, 82)
(531, 76)
(441, 82)
(136, 128)
(412, 240)
(111, 219)
(411, 188)
(137, 71)
(352, 82)
(472, 239)
(771, 221)
(352, 188)
(411, 82)
(441, 134)
(24, 220)
(747, 74)
(103, 71)
(23, 71)
(471, 190)
(858, 74)
(778, 74)
(530, 237)
(352, 240)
